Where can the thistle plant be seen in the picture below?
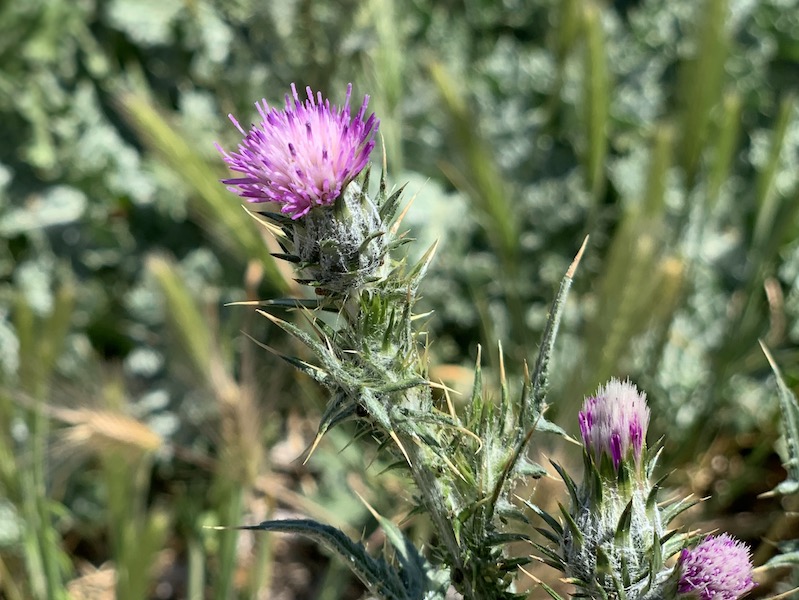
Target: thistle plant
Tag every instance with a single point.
(311, 159)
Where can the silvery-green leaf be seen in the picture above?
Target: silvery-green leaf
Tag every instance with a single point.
(376, 574)
(789, 408)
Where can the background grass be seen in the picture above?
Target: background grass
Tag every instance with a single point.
(134, 412)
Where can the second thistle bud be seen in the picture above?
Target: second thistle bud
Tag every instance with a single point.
(613, 424)
(609, 551)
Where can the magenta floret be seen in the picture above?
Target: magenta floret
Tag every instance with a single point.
(719, 568)
(303, 156)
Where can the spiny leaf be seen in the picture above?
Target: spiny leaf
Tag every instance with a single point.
(377, 411)
(604, 565)
(497, 539)
(673, 542)
(550, 556)
(477, 386)
(420, 268)
(623, 526)
(388, 208)
(398, 386)
(574, 529)
(308, 303)
(790, 423)
(651, 498)
(368, 239)
(340, 408)
(508, 512)
(550, 535)
(675, 509)
(652, 460)
(534, 405)
(504, 401)
(784, 559)
(570, 485)
(444, 420)
(544, 425)
(314, 372)
(379, 577)
(277, 218)
(529, 469)
(329, 361)
(558, 566)
(509, 467)
(512, 563)
(550, 520)
(552, 593)
(657, 557)
(413, 564)
(398, 242)
(292, 258)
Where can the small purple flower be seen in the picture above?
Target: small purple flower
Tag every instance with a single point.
(717, 569)
(303, 156)
(615, 421)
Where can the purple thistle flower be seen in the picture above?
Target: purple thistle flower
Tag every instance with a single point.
(717, 569)
(615, 421)
(303, 156)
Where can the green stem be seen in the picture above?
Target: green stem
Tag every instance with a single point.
(196, 569)
(231, 511)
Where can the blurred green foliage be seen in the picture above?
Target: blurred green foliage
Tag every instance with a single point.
(668, 131)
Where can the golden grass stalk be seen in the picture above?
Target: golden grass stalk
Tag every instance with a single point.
(100, 432)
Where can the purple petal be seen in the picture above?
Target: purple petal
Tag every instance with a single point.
(717, 569)
(304, 155)
(614, 422)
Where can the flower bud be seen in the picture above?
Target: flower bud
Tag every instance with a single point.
(340, 247)
(616, 521)
(613, 423)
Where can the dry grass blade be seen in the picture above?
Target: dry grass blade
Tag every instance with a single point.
(103, 432)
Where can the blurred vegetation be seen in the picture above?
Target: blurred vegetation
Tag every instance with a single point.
(134, 410)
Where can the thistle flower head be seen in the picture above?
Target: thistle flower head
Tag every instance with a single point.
(717, 569)
(614, 422)
(302, 156)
